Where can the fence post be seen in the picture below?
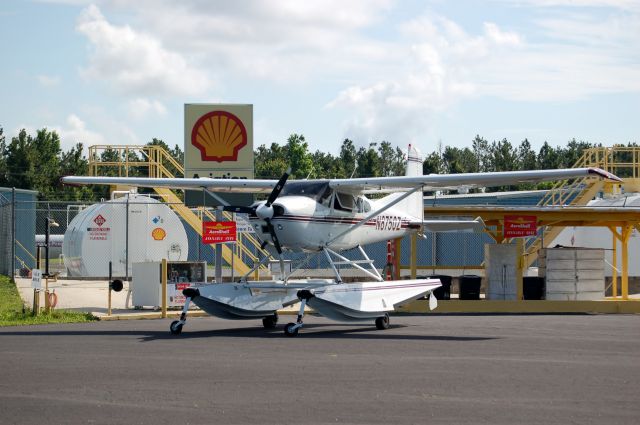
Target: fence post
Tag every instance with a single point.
(13, 234)
(126, 248)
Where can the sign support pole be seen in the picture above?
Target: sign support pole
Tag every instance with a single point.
(218, 252)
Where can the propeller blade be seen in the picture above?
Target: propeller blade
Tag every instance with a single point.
(276, 190)
(274, 237)
(237, 209)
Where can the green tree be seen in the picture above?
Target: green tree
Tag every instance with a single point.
(270, 163)
(480, 149)
(73, 163)
(368, 161)
(548, 157)
(503, 156)
(526, 156)
(432, 164)
(456, 160)
(33, 162)
(348, 157)
(573, 152)
(326, 166)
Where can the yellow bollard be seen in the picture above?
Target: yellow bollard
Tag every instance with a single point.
(36, 302)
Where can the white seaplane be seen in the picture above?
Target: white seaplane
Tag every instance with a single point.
(327, 217)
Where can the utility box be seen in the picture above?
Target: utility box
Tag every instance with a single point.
(146, 281)
(501, 260)
(572, 273)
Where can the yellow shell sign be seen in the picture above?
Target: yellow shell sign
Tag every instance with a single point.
(219, 135)
(158, 234)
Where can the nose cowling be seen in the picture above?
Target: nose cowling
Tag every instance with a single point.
(264, 211)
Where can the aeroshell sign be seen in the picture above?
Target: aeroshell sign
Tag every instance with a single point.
(519, 226)
(218, 143)
(218, 231)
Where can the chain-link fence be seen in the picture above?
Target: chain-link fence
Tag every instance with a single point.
(124, 231)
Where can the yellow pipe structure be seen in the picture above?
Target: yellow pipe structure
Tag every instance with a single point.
(614, 272)
(396, 258)
(626, 233)
(520, 265)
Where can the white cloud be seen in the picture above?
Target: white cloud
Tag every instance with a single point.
(280, 41)
(581, 56)
(141, 108)
(136, 63)
(394, 78)
(75, 131)
(48, 80)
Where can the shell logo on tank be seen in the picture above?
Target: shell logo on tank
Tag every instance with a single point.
(158, 234)
(219, 135)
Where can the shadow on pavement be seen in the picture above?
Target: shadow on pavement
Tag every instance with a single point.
(312, 331)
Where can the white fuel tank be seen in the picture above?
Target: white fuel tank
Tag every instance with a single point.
(101, 233)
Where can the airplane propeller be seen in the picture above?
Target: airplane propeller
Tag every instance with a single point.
(265, 211)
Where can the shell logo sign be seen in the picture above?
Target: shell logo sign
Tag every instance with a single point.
(158, 234)
(219, 135)
(218, 143)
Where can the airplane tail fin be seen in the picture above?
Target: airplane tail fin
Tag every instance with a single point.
(414, 203)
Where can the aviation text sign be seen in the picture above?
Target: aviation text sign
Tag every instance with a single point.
(218, 231)
(519, 226)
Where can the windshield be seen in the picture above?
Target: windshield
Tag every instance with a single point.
(317, 190)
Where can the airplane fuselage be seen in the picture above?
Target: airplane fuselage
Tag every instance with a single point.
(303, 224)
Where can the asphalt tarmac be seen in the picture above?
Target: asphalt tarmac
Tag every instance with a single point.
(449, 369)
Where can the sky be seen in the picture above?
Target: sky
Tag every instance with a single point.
(422, 72)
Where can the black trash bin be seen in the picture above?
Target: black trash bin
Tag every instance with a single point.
(443, 292)
(470, 286)
(533, 288)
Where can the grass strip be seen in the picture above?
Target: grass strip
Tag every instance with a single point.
(14, 313)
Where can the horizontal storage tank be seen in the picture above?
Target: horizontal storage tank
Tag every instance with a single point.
(572, 273)
(601, 237)
(98, 235)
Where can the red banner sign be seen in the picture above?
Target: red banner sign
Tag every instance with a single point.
(519, 226)
(218, 231)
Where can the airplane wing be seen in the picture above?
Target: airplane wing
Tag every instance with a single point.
(357, 185)
(468, 180)
(214, 185)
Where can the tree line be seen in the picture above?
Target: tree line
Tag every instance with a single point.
(37, 162)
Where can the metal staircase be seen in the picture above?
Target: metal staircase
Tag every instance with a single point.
(157, 162)
(577, 192)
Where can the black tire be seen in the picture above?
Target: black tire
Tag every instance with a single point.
(176, 327)
(270, 322)
(382, 322)
(290, 331)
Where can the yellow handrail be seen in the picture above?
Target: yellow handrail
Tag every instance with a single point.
(156, 161)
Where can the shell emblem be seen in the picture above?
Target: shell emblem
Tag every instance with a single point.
(219, 136)
(158, 234)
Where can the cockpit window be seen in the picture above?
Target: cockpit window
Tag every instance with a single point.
(344, 202)
(318, 190)
(363, 205)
